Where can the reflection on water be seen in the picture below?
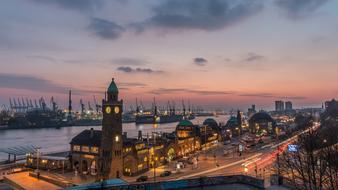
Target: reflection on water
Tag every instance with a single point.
(52, 139)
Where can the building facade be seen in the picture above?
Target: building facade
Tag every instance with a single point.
(262, 123)
(110, 154)
(288, 106)
(279, 105)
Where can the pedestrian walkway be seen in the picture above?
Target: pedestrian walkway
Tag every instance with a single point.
(24, 181)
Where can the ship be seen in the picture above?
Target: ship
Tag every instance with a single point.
(36, 118)
(157, 117)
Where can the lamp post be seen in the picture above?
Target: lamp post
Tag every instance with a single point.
(246, 170)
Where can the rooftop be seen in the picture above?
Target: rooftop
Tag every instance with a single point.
(261, 116)
(185, 123)
(112, 87)
(86, 138)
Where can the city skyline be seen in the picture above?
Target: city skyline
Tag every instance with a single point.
(222, 54)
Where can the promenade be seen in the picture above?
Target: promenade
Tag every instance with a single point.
(22, 180)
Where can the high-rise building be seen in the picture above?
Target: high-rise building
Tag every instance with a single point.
(111, 162)
(279, 105)
(252, 110)
(330, 103)
(288, 105)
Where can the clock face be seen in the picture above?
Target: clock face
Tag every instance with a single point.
(108, 109)
(117, 109)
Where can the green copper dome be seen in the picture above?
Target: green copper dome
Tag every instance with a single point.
(112, 87)
(185, 123)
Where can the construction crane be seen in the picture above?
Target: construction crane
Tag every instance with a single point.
(90, 107)
(53, 104)
(35, 103)
(69, 116)
(19, 105)
(137, 107)
(42, 103)
(97, 106)
(15, 105)
(82, 107)
(11, 104)
(174, 109)
(142, 107)
(183, 106)
(4, 107)
(155, 107)
(23, 105)
(30, 102)
(27, 103)
(169, 108)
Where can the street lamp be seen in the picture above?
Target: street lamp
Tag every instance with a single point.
(246, 170)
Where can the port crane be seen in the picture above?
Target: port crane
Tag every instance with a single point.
(90, 107)
(137, 107)
(35, 103)
(97, 106)
(183, 107)
(18, 106)
(53, 104)
(82, 107)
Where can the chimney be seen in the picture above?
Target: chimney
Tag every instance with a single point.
(91, 133)
(139, 135)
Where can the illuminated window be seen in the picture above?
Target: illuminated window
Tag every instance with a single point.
(145, 159)
(139, 146)
(76, 148)
(183, 134)
(140, 166)
(85, 149)
(117, 138)
(94, 149)
(127, 170)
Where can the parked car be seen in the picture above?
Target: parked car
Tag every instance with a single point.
(165, 174)
(142, 178)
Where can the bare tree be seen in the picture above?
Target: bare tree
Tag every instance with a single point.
(315, 164)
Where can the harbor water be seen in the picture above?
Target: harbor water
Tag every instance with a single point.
(57, 140)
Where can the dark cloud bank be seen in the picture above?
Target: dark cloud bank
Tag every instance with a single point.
(200, 61)
(32, 83)
(105, 29)
(207, 15)
(296, 9)
(78, 5)
(127, 69)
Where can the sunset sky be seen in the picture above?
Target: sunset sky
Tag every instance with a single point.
(217, 54)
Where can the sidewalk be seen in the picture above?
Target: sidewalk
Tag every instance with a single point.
(24, 181)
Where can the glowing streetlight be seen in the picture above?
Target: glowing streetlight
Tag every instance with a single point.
(246, 170)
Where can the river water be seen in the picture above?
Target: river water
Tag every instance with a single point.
(54, 140)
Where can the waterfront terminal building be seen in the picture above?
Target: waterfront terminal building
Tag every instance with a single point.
(109, 153)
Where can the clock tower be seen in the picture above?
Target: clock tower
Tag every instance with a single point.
(110, 164)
